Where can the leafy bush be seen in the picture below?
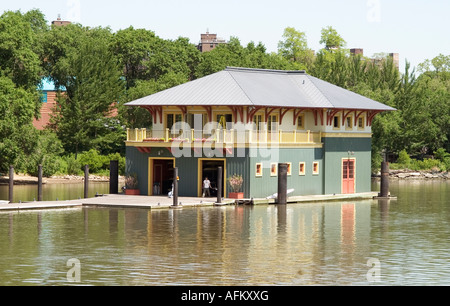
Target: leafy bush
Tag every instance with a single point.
(441, 163)
(426, 164)
(404, 159)
(95, 161)
(45, 151)
(444, 157)
(98, 164)
(73, 165)
(441, 154)
(446, 164)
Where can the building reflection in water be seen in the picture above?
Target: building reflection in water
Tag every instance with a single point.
(263, 245)
(233, 245)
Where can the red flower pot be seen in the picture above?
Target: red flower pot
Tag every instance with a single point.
(236, 195)
(132, 192)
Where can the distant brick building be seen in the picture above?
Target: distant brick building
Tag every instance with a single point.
(59, 23)
(357, 51)
(48, 99)
(49, 96)
(209, 42)
(395, 56)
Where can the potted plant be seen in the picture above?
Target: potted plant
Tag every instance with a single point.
(236, 182)
(131, 185)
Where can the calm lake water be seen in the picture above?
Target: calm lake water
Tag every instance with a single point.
(405, 242)
(51, 192)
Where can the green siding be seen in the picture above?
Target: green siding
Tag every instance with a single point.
(187, 171)
(335, 150)
(308, 184)
(328, 181)
(239, 165)
(137, 162)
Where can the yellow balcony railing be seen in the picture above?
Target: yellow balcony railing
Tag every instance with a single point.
(225, 136)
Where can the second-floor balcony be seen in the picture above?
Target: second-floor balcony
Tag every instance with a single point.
(224, 136)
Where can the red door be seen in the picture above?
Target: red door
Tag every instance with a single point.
(348, 176)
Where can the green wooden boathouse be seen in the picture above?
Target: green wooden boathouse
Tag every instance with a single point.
(247, 121)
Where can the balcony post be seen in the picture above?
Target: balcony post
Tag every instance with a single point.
(167, 135)
(309, 136)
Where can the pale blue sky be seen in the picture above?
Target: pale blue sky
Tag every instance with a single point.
(417, 29)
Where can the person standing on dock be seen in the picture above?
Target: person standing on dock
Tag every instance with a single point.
(206, 186)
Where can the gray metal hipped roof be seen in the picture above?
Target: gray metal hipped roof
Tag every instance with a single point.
(260, 87)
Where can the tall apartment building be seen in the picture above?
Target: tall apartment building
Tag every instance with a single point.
(209, 42)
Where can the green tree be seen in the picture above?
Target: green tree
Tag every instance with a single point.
(331, 39)
(40, 148)
(16, 114)
(230, 54)
(294, 47)
(18, 58)
(178, 56)
(134, 49)
(92, 77)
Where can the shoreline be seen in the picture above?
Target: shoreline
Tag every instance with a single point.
(406, 174)
(20, 179)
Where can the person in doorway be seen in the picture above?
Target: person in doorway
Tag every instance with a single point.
(206, 186)
(171, 192)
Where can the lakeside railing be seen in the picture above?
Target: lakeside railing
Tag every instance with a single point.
(225, 136)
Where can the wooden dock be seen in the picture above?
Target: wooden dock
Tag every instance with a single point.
(161, 202)
(311, 198)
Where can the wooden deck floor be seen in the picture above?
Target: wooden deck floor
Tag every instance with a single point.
(162, 202)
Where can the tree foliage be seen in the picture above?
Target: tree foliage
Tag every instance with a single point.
(331, 39)
(100, 71)
(92, 79)
(294, 47)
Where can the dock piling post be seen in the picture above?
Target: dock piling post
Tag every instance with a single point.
(175, 187)
(384, 187)
(11, 184)
(39, 183)
(219, 184)
(86, 181)
(114, 177)
(282, 183)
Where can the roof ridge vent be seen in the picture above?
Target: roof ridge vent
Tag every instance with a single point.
(242, 69)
